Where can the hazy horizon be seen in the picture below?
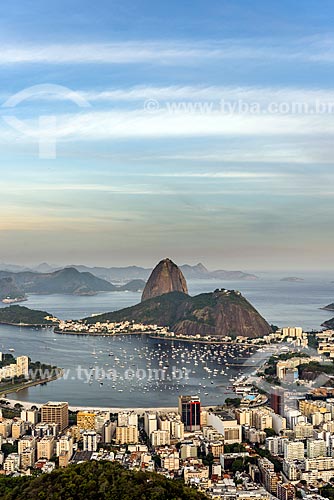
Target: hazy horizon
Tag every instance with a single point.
(151, 265)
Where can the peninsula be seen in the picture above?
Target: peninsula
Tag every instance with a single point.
(23, 316)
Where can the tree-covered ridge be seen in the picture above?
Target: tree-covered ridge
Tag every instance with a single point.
(96, 481)
(20, 314)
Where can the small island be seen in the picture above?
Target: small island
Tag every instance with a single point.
(292, 279)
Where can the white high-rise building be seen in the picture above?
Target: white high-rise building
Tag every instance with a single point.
(30, 416)
(316, 448)
(160, 438)
(65, 443)
(22, 364)
(293, 450)
(150, 422)
(126, 418)
(89, 441)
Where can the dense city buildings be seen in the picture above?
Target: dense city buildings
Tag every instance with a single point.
(254, 447)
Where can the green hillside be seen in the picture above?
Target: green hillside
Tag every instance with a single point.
(222, 312)
(19, 314)
(96, 481)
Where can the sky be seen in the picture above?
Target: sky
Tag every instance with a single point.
(135, 130)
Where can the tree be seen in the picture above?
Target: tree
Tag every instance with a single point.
(237, 465)
(233, 402)
(270, 432)
(7, 448)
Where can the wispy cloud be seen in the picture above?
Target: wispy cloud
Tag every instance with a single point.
(170, 52)
(97, 125)
(215, 93)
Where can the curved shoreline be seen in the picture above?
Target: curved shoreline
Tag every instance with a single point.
(32, 383)
(198, 341)
(28, 325)
(28, 404)
(163, 409)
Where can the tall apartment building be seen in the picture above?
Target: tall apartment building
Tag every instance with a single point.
(5, 427)
(86, 420)
(229, 429)
(303, 430)
(276, 445)
(319, 464)
(293, 450)
(160, 438)
(293, 332)
(27, 458)
(22, 366)
(190, 411)
(277, 400)
(30, 416)
(12, 462)
(101, 418)
(55, 412)
(46, 447)
(150, 422)
(171, 462)
(316, 448)
(127, 435)
(65, 444)
(27, 442)
(244, 416)
(188, 450)
(126, 418)
(17, 429)
(177, 429)
(89, 441)
(108, 431)
(261, 420)
(286, 491)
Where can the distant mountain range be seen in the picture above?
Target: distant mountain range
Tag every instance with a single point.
(65, 281)
(9, 289)
(125, 274)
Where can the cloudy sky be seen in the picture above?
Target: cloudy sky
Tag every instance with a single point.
(135, 130)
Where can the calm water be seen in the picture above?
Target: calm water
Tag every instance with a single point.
(127, 377)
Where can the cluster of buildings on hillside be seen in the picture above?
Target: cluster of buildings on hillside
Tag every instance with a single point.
(287, 370)
(230, 453)
(18, 369)
(80, 327)
(294, 335)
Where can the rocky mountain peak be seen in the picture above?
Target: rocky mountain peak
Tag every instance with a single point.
(166, 277)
